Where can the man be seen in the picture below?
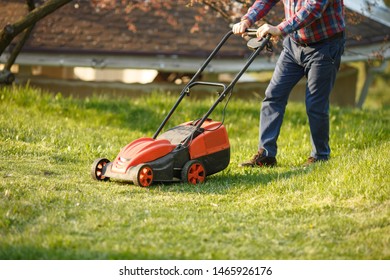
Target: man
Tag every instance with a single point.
(313, 45)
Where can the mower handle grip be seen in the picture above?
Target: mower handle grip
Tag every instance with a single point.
(252, 33)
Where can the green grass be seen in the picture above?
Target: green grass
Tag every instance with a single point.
(50, 208)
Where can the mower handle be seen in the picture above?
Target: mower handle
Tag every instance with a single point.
(251, 32)
(226, 89)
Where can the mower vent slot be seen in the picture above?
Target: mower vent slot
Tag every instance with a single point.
(178, 134)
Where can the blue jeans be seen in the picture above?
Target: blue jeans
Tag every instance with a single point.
(319, 63)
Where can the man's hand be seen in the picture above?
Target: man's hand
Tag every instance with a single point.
(240, 27)
(268, 29)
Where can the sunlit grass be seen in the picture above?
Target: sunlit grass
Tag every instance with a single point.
(50, 208)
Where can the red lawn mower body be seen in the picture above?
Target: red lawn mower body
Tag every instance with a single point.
(168, 158)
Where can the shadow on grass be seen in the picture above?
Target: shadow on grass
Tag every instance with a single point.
(62, 252)
(226, 182)
(123, 113)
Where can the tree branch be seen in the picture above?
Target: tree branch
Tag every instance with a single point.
(10, 31)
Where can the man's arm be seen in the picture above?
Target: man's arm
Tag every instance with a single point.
(308, 13)
(257, 11)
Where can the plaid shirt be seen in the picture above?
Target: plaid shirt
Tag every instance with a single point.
(307, 21)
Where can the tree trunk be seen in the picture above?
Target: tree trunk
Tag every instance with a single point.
(20, 44)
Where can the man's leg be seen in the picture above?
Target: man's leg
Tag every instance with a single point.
(286, 75)
(321, 69)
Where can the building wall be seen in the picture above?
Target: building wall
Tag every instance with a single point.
(62, 79)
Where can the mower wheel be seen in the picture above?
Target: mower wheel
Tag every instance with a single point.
(193, 172)
(97, 169)
(143, 175)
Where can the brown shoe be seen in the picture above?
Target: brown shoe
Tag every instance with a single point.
(312, 160)
(259, 160)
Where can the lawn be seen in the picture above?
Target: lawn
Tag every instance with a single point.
(50, 208)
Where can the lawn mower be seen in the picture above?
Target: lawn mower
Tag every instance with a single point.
(187, 152)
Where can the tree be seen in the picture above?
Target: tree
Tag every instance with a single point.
(26, 24)
(227, 9)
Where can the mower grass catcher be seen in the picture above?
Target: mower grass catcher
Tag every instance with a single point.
(188, 152)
